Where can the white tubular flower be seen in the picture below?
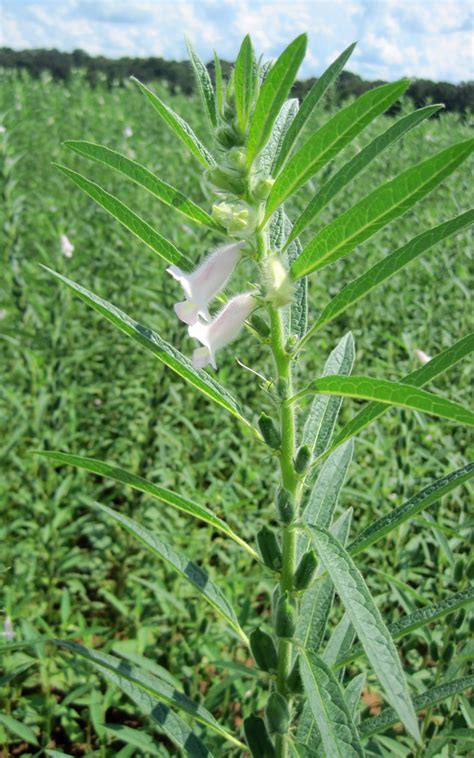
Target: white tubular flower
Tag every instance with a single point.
(203, 284)
(67, 248)
(279, 286)
(422, 356)
(222, 330)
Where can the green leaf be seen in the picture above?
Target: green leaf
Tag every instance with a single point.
(323, 413)
(270, 152)
(387, 267)
(273, 94)
(326, 699)
(329, 140)
(179, 126)
(368, 623)
(19, 729)
(138, 483)
(310, 102)
(219, 86)
(353, 692)
(379, 208)
(245, 75)
(182, 565)
(124, 674)
(408, 510)
(416, 620)
(11, 675)
(359, 163)
(206, 90)
(128, 218)
(421, 376)
(165, 352)
(324, 495)
(144, 178)
(339, 642)
(391, 393)
(427, 699)
(141, 740)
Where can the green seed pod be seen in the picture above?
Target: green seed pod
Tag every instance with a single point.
(269, 548)
(434, 651)
(260, 326)
(294, 681)
(263, 650)
(471, 625)
(284, 506)
(470, 570)
(277, 713)
(459, 620)
(448, 652)
(458, 570)
(269, 431)
(285, 621)
(257, 738)
(302, 459)
(304, 574)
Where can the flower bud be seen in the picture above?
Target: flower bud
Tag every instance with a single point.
(262, 188)
(284, 506)
(304, 574)
(269, 548)
(257, 737)
(225, 179)
(263, 650)
(269, 431)
(285, 621)
(278, 284)
(294, 681)
(237, 217)
(302, 459)
(237, 158)
(277, 713)
(228, 137)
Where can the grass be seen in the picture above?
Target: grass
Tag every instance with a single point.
(70, 382)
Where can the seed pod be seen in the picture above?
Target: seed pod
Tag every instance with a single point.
(277, 713)
(269, 548)
(294, 681)
(269, 431)
(470, 570)
(257, 738)
(302, 459)
(459, 620)
(285, 621)
(458, 570)
(304, 574)
(448, 652)
(263, 650)
(260, 326)
(471, 625)
(434, 651)
(284, 506)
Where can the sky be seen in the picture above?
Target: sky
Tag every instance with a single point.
(431, 39)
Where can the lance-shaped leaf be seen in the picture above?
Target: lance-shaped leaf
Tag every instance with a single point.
(390, 393)
(157, 688)
(353, 692)
(245, 78)
(219, 84)
(271, 151)
(408, 510)
(206, 90)
(326, 699)
(427, 699)
(379, 208)
(18, 728)
(309, 104)
(142, 485)
(144, 178)
(340, 641)
(421, 376)
(329, 140)
(324, 410)
(324, 494)
(368, 623)
(387, 267)
(182, 565)
(179, 126)
(128, 218)
(359, 163)
(165, 352)
(416, 620)
(273, 94)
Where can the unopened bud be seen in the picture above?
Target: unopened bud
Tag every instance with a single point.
(269, 431)
(225, 179)
(278, 283)
(284, 506)
(269, 548)
(277, 713)
(304, 574)
(237, 158)
(262, 189)
(263, 650)
(285, 621)
(302, 459)
(227, 137)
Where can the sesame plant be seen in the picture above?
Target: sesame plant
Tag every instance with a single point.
(259, 156)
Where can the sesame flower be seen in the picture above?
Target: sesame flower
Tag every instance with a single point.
(222, 330)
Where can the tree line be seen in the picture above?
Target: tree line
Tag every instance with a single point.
(179, 77)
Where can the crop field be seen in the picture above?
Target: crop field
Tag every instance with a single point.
(70, 381)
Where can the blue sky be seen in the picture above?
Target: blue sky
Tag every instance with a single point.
(423, 38)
